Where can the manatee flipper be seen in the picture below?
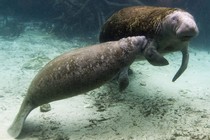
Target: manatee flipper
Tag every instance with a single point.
(185, 60)
(16, 127)
(123, 78)
(153, 56)
(130, 71)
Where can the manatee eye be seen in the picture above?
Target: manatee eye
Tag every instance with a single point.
(174, 19)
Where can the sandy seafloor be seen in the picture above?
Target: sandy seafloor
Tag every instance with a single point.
(151, 108)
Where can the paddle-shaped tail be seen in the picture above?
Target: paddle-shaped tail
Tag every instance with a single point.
(16, 127)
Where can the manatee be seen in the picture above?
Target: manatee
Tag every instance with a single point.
(76, 72)
(169, 29)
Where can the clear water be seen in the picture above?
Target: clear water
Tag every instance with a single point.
(152, 107)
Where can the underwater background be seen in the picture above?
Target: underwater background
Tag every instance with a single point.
(33, 32)
(68, 18)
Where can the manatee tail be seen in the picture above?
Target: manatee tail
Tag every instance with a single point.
(16, 127)
(185, 60)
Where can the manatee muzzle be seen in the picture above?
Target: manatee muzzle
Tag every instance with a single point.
(187, 31)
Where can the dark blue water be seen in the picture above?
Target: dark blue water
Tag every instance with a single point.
(85, 17)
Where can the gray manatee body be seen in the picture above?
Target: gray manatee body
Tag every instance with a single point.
(76, 72)
(169, 29)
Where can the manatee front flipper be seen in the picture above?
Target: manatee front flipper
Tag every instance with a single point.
(153, 56)
(123, 78)
(185, 59)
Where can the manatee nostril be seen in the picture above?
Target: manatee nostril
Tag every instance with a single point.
(188, 33)
(192, 31)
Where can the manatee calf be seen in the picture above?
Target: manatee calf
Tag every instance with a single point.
(169, 29)
(76, 72)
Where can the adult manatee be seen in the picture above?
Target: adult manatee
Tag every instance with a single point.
(170, 29)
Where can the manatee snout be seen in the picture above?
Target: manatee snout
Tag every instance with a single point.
(188, 28)
(186, 32)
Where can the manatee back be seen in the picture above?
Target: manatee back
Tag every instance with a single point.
(77, 71)
(134, 21)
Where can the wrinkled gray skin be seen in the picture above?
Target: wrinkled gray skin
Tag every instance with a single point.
(175, 32)
(76, 72)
